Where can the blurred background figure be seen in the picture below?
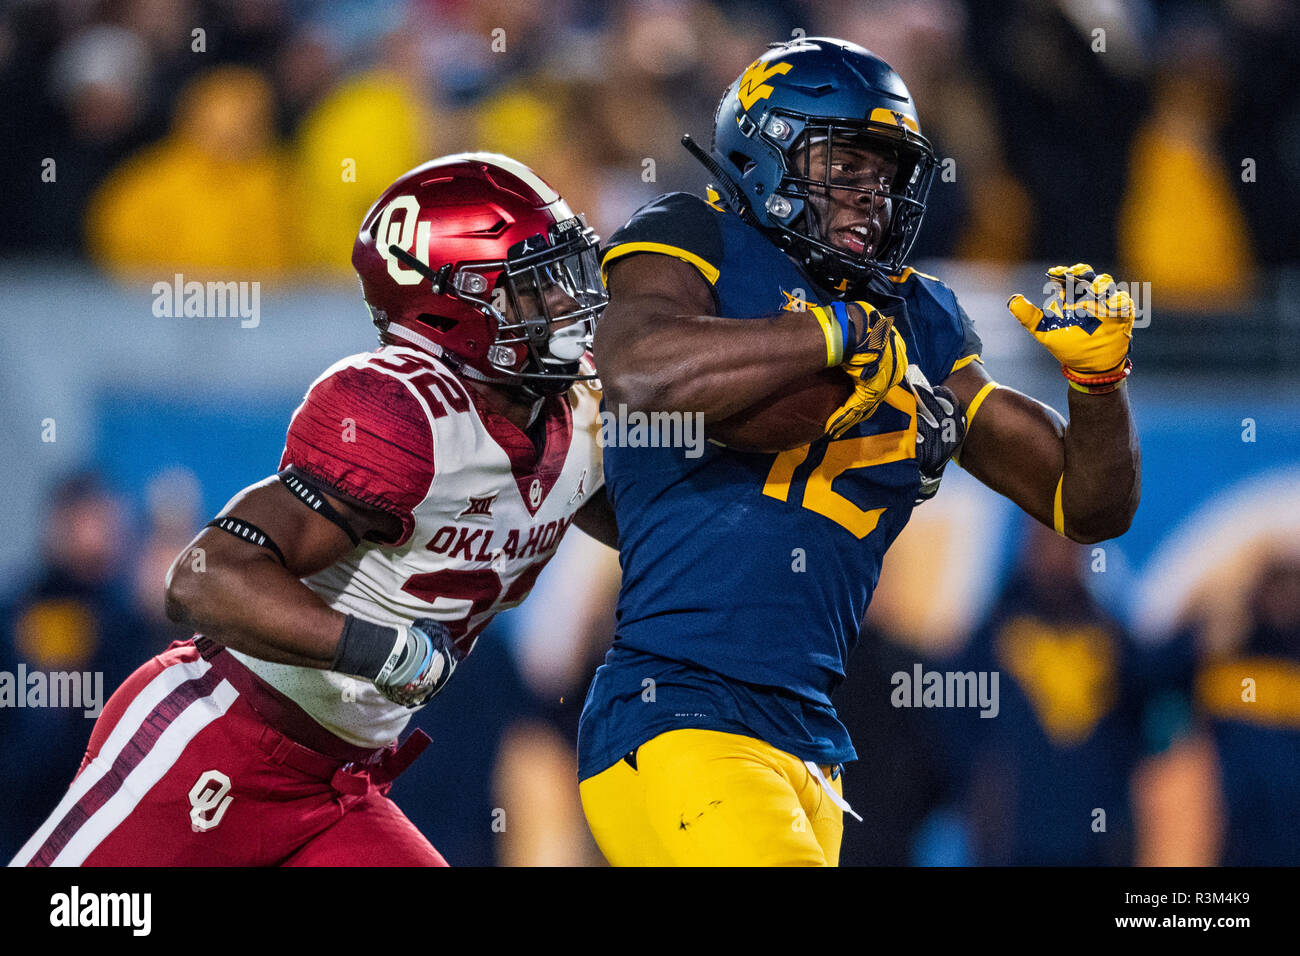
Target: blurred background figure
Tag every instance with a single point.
(1249, 700)
(1054, 80)
(73, 614)
(361, 133)
(213, 198)
(102, 80)
(901, 784)
(978, 209)
(173, 512)
(1182, 228)
(1045, 782)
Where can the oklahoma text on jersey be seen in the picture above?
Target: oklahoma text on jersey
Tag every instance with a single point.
(209, 756)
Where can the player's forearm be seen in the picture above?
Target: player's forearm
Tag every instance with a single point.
(702, 363)
(1022, 448)
(257, 607)
(1102, 479)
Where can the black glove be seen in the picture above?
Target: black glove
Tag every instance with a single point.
(940, 430)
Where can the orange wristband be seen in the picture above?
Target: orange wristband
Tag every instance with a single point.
(1099, 383)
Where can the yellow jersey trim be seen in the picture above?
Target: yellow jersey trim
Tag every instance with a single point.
(971, 409)
(908, 272)
(963, 362)
(706, 269)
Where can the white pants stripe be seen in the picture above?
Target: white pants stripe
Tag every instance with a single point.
(161, 758)
(127, 726)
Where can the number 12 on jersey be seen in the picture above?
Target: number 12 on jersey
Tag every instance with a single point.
(843, 455)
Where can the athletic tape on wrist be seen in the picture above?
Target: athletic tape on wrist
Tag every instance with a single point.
(366, 649)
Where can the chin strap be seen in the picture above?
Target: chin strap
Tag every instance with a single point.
(517, 384)
(415, 338)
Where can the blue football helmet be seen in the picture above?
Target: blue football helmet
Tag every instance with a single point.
(802, 93)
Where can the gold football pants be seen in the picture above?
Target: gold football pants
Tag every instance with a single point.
(705, 798)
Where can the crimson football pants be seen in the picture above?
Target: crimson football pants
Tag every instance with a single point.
(195, 761)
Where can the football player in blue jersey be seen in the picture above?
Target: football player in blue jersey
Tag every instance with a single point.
(708, 735)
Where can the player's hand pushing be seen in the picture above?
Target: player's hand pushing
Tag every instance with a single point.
(1087, 324)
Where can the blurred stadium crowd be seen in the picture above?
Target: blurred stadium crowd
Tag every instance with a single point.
(251, 135)
(246, 138)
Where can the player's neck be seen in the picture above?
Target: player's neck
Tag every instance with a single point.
(509, 403)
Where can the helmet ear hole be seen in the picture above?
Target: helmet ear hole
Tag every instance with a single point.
(439, 323)
(741, 161)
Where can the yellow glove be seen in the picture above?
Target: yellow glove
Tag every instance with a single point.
(877, 366)
(1088, 325)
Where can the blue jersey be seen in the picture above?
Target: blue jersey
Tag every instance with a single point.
(746, 575)
(1258, 749)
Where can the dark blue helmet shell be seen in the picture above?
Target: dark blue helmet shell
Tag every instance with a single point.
(810, 88)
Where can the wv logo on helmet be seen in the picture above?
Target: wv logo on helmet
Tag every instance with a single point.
(753, 82)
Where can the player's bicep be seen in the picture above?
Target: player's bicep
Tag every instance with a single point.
(1014, 443)
(308, 540)
(652, 299)
(647, 286)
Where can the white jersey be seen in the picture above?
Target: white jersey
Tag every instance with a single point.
(482, 510)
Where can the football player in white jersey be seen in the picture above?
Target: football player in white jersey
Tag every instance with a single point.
(422, 489)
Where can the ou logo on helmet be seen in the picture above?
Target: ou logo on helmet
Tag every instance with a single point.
(209, 799)
(402, 233)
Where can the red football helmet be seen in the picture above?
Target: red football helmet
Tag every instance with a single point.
(474, 258)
